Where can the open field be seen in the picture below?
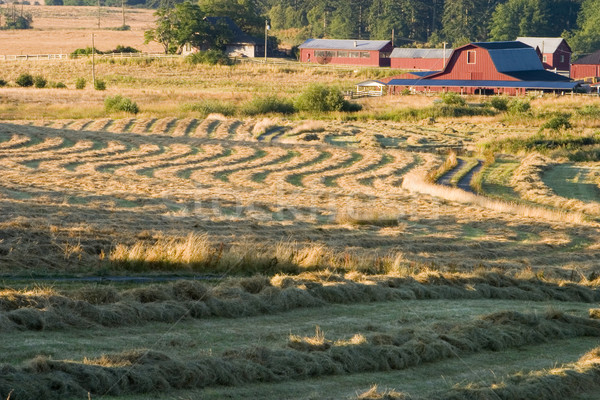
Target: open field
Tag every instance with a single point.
(63, 29)
(305, 256)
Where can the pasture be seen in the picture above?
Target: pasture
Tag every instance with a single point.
(194, 251)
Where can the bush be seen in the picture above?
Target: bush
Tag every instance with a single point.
(120, 103)
(85, 52)
(2, 83)
(499, 103)
(516, 106)
(211, 57)
(558, 122)
(453, 99)
(322, 98)
(58, 85)
(25, 80)
(124, 49)
(589, 111)
(100, 85)
(269, 104)
(80, 83)
(39, 81)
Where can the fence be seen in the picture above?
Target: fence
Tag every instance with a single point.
(33, 57)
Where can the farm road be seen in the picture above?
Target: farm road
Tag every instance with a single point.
(572, 182)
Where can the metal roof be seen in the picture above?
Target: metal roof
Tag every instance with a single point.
(516, 59)
(545, 44)
(484, 84)
(501, 45)
(344, 44)
(538, 75)
(400, 52)
(593, 59)
(371, 83)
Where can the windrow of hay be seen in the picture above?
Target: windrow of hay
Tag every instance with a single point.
(557, 383)
(106, 306)
(147, 371)
(416, 182)
(527, 181)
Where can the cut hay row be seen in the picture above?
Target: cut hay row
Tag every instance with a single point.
(243, 297)
(149, 371)
(184, 126)
(529, 183)
(121, 125)
(100, 125)
(256, 176)
(164, 126)
(143, 125)
(206, 127)
(560, 383)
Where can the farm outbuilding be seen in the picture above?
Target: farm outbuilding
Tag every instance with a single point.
(487, 68)
(556, 52)
(373, 53)
(587, 67)
(419, 59)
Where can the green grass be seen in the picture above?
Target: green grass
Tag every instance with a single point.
(496, 178)
(573, 182)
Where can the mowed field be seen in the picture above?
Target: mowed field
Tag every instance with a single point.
(183, 253)
(63, 29)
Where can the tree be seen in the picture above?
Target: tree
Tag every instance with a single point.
(243, 12)
(383, 16)
(186, 24)
(586, 38)
(467, 19)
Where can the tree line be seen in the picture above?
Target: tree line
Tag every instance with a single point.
(426, 23)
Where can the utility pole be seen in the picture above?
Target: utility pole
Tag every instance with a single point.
(93, 63)
(123, 11)
(98, 14)
(444, 65)
(267, 27)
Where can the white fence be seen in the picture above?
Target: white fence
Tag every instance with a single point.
(34, 57)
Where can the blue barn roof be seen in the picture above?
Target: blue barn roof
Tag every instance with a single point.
(549, 85)
(344, 44)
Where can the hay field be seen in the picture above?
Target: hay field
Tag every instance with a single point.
(63, 29)
(182, 255)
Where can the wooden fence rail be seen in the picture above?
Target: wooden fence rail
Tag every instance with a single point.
(34, 57)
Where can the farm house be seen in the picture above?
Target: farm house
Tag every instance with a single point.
(556, 53)
(419, 59)
(587, 67)
(487, 68)
(373, 53)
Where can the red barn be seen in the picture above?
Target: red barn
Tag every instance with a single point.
(556, 53)
(586, 67)
(419, 59)
(487, 68)
(373, 53)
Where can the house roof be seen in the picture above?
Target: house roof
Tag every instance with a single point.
(485, 84)
(342, 44)
(400, 52)
(593, 58)
(370, 83)
(501, 45)
(545, 44)
(239, 36)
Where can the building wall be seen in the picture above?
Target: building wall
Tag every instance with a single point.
(560, 60)
(482, 68)
(423, 64)
(375, 58)
(235, 50)
(581, 71)
(396, 90)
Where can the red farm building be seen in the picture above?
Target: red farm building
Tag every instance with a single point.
(487, 68)
(587, 67)
(556, 53)
(419, 59)
(373, 53)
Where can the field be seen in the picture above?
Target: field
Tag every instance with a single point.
(195, 251)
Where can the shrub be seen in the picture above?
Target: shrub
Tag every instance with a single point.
(124, 49)
(39, 81)
(2, 83)
(100, 85)
(558, 122)
(211, 57)
(499, 103)
(452, 98)
(60, 85)
(590, 111)
(516, 106)
(80, 83)
(322, 98)
(25, 80)
(269, 104)
(120, 103)
(85, 52)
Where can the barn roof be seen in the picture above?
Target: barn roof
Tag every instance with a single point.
(501, 45)
(403, 52)
(239, 36)
(593, 58)
(485, 84)
(545, 44)
(344, 44)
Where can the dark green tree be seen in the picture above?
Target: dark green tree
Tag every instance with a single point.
(243, 12)
(586, 38)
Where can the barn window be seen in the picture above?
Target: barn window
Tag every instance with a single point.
(545, 59)
(354, 54)
(343, 54)
(471, 57)
(365, 54)
(562, 58)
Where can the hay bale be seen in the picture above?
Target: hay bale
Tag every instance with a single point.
(190, 290)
